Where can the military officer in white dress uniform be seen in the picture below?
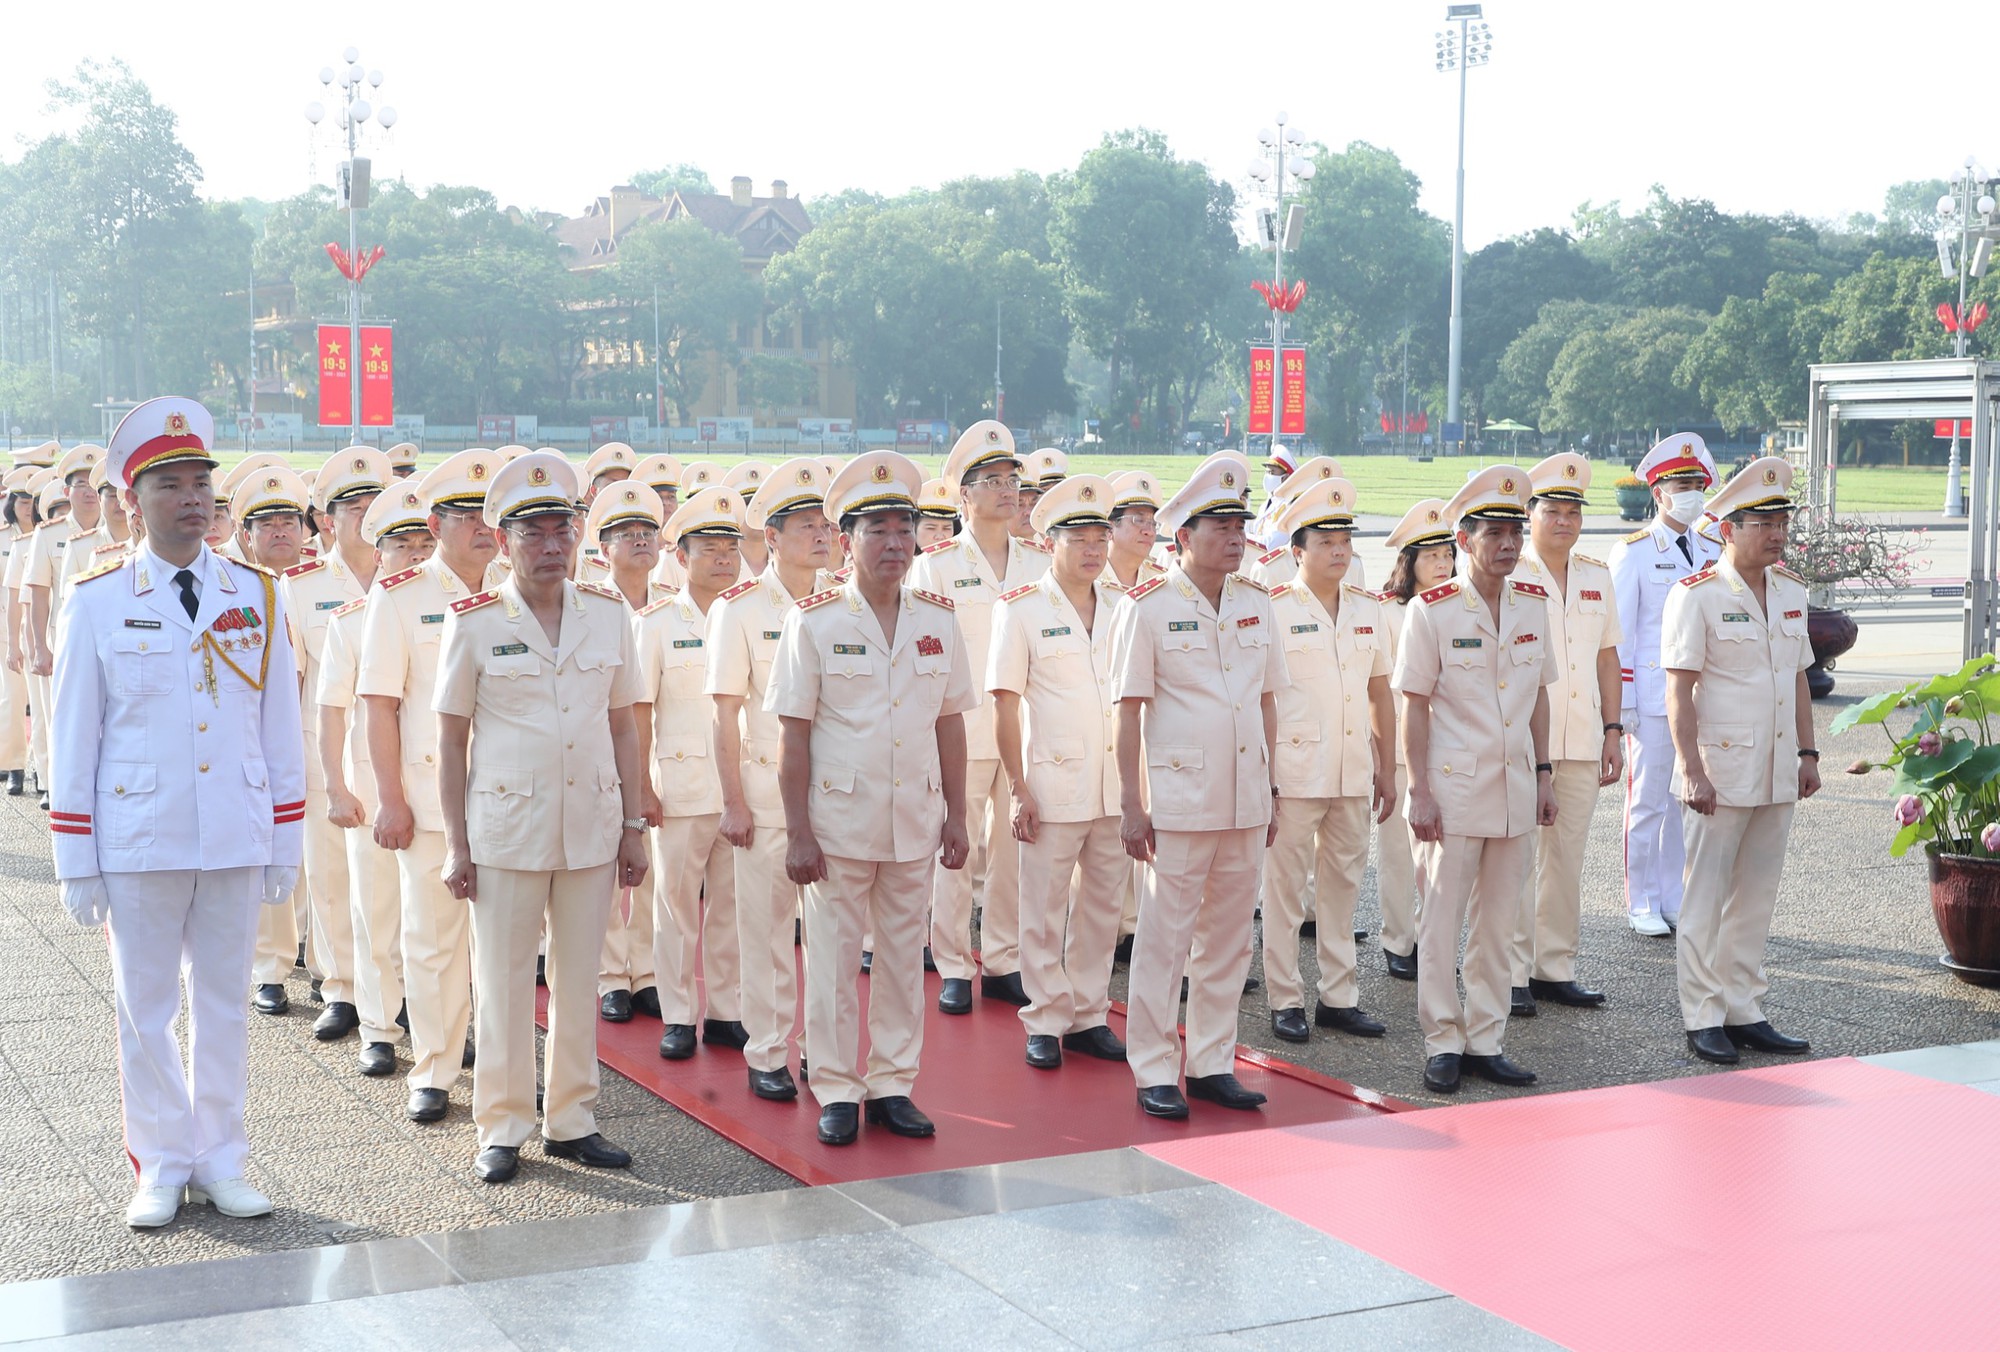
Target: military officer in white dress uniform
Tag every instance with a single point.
(1736, 653)
(871, 684)
(538, 777)
(177, 797)
(1645, 565)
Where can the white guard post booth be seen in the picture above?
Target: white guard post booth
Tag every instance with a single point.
(1892, 391)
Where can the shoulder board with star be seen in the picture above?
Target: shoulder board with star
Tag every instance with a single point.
(50, 525)
(470, 603)
(101, 570)
(1636, 536)
(1696, 579)
(1282, 589)
(1532, 589)
(398, 579)
(740, 589)
(1017, 593)
(599, 589)
(1145, 589)
(1782, 571)
(1440, 592)
(1585, 558)
(819, 599)
(932, 597)
(1385, 597)
(113, 547)
(842, 574)
(350, 607)
(1035, 545)
(1114, 584)
(305, 569)
(941, 546)
(666, 600)
(1349, 589)
(1272, 556)
(1251, 582)
(253, 567)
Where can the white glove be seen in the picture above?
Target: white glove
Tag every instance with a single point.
(86, 900)
(279, 882)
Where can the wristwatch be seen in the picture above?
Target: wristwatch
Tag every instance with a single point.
(1808, 751)
(1540, 766)
(634, 823)
(1614, 727)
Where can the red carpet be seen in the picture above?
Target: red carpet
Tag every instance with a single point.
(1828, 1204)
(989, 1106)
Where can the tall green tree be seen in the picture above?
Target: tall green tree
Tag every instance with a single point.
(705, 298)
(1750, 363)
(672, 179)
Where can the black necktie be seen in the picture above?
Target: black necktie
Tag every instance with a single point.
(185, 581)
(1680, 540)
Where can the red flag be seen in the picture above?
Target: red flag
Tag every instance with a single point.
(1947, 314)
(1976, 318)
(1292, 395)
(377, 363)
(1258, 422)
(335, 394)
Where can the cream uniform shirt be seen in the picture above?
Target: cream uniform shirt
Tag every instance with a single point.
(744, 626)
(1747, 662)
(542, 788)
(47, 549)
(670, 636)
(876, 792)
(1325, 746)
(1063, 673)
(339, 669)
(957, 569)
(400, 638)
(313, 591)
(1481, 680)
(1204, 672)
(1583, 621)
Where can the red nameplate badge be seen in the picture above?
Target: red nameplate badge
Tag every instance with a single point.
(928, 646)
(1249, 620)
(1525, 638)
(1792, 614)
(1593, 596)
(1364, 628)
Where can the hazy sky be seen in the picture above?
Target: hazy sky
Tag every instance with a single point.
(1757, 104)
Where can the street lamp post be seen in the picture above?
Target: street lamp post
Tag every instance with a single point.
(1282, 156)
(1471, 45)
(1971, 195)
(350, 110)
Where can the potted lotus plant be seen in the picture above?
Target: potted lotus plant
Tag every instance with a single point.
(1946, 796)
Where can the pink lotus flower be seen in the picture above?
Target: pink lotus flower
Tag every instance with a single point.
(1908, 809)
(1989, 839)
(1929, 744)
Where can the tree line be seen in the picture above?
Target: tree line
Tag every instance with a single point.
(1117, 289)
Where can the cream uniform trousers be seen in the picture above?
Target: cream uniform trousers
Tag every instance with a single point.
(993, 873)
(437, 963)
(1396, 875)
(1544, 945)
(766, 903)
(626, 962)
(1194, 918)
(694, 920)
(275, 940)
(887, 898)
(1735, 860)
(1068, 931)
(1477, 878)
(13, 719)
(1340, 827)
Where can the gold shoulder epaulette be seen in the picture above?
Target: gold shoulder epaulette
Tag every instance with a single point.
(253, 567)
(1532, 589)
(842, 574)
(1440, 592)
(666, 600)
(941, 545)
(1035, 545)
(1782, 571)
(1280, 590)
(485, 598)
(738, 590)
(1385, 597)
(1350, 587)
(1704, 575)
(305, 569)
(1266, 558)
(933, 598)
(1251, 582)
(1017, 592)
(599, 589)
(1636, 536)
(819, 599)
(1145, 589)
(102, 570)
(399, 579)
(1113, 583)
(114, 545)
(1585, 558)
(350, 607)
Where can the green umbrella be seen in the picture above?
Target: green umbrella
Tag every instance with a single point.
(1508, 425)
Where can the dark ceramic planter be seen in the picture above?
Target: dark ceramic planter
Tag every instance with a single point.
(1635, 504)
(1965, 898)
(1832, 633)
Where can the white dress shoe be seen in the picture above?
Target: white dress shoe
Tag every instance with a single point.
(231, 1196)
(151, 1208)
(1650, 925)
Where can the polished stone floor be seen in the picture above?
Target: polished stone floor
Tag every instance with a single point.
(1097, 1251)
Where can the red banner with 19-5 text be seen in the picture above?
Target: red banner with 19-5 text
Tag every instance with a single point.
(1263, 392)
(1292, 393)
(373, 365)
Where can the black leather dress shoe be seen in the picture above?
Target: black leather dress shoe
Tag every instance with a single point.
(775, 1085)
(900, 1116)
(1291, 1025)
(839, 1123)
(318, 995)
(1044, 1051)
(497, 1163)
(1308, 929)
(13, 783)
(1496, 1068)
(955, 995)
(1163, 1100)
(867, 962)
(1006, 987)
(1359, 935)
(1571, 993)
(299, 961)
(592, 1151)
(1762, 1037)
(1224, 1089)
(646, 1001)
(43, 801)
(1402, 966)
(725, 1033)
(1712, 1044)
(427, 1105)
(1251, 983)
(1350, 1021)
(377, 1058)
(469, 1056)
(930, 963)
(338, 1020)
(615, 1007)
(677, 1042)
(1441, 1073)
(541, 970)
(1121, 956)
(1099, 1042)
(403, 1017)
(271, 999)
(1521, 1004)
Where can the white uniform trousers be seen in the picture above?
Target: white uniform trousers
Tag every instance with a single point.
(38, 727)
(377, 916)
(1545, 937)
(694, 920)
(13, 719)
(275, 952)
(1128, 898)
(1340, 828)
(766, 904)
(437, 964)
(1196, 915)
(627, 961)
(507, 922)
(993, 872)
(887, 898)
(330, 898)
(1654, 853)
(1735, 859)
(1396, 876)
(183, 1123)
(1070, 905)
(1471, 883)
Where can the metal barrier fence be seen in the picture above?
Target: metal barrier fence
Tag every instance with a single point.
(1931, 602)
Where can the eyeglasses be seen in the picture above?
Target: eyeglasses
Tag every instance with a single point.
(633, 533)
(543, 534)
(997, 481)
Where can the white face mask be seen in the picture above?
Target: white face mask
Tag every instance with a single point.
(1685, 507)
(1273, 482)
